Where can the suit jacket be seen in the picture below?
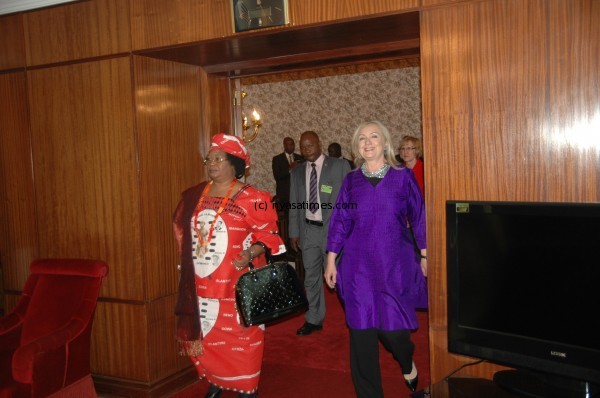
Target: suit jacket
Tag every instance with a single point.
(351, 163)
(332, 174)
(281, 173)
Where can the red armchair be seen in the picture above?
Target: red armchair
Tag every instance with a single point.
(45, 341)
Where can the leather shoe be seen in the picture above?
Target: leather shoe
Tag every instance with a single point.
(213, 392)
(412, 383)
(251, 395)
(308, 328)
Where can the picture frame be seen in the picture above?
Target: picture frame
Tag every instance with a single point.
(257, 14)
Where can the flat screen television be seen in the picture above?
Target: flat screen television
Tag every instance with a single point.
(524, 292)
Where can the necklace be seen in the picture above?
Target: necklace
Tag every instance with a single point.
(379, 173)
(204, 239)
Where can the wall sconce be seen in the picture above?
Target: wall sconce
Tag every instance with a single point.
(253, 123)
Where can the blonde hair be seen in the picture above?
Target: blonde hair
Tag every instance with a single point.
(415, 141)
(388, 149)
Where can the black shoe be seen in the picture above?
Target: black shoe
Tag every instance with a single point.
(213, 392)
(251, 395)
(308, 328)
(412, 383)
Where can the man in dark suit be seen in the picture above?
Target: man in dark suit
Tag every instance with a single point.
(335, 151)
(315, 184)
(282, 164)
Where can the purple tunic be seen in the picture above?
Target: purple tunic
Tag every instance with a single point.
(379, 279)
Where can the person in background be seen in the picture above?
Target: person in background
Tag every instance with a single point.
(335, 151)
(316, 182)
(282, 164)
(379, 278)
(411, 153)
(220, 226)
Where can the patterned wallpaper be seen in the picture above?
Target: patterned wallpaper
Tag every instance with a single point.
(331, 104)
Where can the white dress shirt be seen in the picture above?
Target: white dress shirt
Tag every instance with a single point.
(317, 216)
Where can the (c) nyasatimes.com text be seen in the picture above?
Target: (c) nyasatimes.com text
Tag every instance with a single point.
(304, 206)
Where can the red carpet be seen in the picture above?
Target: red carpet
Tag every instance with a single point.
(319, 365)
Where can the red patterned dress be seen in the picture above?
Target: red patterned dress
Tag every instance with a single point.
(208, 244)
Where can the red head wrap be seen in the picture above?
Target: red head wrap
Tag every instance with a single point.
(232, 145)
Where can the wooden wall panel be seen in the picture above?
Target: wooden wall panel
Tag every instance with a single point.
(510, 112)
(12, 42)
(18, 237)
(77, 30)
(157, 23)
(302, 12)
(136, 342)
(85, 167)
(119, 345)
(217, 107)
(162, 347)
(430, 3)
(168, 106)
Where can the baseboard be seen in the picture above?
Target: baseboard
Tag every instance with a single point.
(112, 387)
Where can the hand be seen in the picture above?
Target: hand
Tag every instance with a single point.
(294, 243)
(242, 260)
(330, 274)
(424, 267)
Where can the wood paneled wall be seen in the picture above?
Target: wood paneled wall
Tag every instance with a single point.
(96, 143)
(511, 112)
(168, 105)
(158, 23)
(12, 42)
(83, 29)
(85, 169)
(303, 12)
(18, 234)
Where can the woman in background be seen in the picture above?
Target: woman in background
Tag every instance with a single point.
(379, 278)
(221, 225)
(411, 153)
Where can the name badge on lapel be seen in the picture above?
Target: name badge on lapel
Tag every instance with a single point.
(326, 188)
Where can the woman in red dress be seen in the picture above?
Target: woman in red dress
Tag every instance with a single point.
(411, 154)
(220, 226)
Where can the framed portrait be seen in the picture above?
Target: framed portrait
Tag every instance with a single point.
(256, 14)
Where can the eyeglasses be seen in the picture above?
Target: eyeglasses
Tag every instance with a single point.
(216, 159)
(408, 148)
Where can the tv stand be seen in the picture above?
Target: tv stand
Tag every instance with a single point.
(539, 385)
(463, 387)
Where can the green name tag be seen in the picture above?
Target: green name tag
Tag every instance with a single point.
(326, 188)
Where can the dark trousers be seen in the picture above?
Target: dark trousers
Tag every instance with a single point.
(364, 358)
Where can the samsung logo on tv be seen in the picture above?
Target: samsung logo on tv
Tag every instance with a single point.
(558, 354)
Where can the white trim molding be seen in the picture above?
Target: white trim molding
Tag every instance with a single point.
(12, 6)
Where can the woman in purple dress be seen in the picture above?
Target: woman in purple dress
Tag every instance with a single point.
(379, 278)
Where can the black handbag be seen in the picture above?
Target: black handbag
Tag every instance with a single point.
(269, 293)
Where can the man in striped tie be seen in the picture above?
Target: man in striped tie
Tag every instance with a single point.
(314, 188)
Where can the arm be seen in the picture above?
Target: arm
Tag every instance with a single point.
(337, 235)
(416, 217)
(340, 222)
(262, 218)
